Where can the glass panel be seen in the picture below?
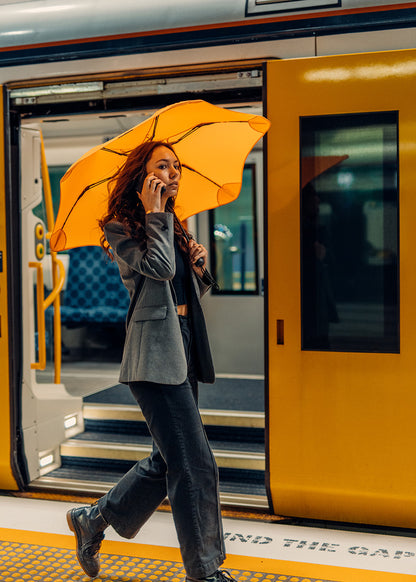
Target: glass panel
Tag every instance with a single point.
(349, 231)
(55, 175)
(234, 240)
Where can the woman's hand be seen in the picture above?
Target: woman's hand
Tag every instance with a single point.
(152, 198)
(197, 251)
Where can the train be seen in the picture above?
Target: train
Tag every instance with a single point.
(315, 311)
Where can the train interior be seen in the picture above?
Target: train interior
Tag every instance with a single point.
(89, 430)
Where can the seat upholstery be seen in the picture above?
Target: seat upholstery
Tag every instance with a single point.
(94, 292)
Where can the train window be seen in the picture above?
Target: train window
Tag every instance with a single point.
(349, 232)
(55, 175)
(234, 262)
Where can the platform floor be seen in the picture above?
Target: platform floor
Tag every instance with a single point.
(36, 545)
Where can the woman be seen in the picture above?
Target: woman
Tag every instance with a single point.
(166, 352)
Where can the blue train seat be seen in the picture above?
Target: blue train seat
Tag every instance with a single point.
(94, 292)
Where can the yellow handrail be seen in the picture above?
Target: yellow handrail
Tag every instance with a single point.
(56, 264)
(42, 305)
(51, 298)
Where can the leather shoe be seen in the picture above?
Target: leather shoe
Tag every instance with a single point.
(218, 576)
(88, 525)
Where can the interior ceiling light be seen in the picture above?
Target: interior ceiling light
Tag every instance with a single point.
(58, 89)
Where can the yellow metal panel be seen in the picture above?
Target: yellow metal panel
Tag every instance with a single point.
(342, 425)
(6, 478)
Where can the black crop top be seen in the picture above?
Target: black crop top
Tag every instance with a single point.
(181, 279)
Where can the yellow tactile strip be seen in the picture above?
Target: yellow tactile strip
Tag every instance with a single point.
(55, 560)
(23, 562)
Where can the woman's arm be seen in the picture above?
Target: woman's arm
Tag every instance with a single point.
(204, 278)
(197, 252)
(155, 257)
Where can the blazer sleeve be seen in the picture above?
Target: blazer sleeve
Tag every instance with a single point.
(155, 258)
(203, 285)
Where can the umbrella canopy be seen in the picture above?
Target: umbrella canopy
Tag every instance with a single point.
(212, 144)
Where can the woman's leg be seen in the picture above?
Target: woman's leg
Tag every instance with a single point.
(192, 476)
(182, 464)
(130, 503)
(126, 507)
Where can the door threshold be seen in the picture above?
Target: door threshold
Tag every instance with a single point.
(230, 499)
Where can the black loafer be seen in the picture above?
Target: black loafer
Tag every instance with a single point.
(88, 526)
(218, 576)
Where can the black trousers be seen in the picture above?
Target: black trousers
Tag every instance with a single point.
(181, 466)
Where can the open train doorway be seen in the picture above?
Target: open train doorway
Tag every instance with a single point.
(92, 315)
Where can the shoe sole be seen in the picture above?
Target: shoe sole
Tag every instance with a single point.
(72, 526)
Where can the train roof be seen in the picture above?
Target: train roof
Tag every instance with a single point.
(32, 23)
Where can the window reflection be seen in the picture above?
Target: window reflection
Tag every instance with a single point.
(234, 240)
(349, 226)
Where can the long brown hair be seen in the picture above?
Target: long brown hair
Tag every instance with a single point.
(125, 206)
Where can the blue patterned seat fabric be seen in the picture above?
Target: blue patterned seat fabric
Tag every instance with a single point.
(94, 292)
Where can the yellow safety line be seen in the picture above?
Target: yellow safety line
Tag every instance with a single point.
(233, 562)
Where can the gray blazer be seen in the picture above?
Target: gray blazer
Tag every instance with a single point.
(153, 349)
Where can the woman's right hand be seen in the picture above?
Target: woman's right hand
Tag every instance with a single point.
(151, 194)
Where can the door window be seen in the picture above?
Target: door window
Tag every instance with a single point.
(349, 232)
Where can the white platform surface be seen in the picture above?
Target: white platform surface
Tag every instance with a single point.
(375, 552)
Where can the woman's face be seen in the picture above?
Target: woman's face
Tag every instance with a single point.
(165, 165)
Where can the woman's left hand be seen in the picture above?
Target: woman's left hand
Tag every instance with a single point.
(197, 251)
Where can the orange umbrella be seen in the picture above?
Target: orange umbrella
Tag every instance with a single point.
(212, 144)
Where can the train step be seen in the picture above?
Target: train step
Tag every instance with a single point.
(91, 446)
(116, 436)
(119, 432)
(220, 425)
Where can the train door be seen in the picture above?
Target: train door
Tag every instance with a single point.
(341, 287)
(8, 449)
(115, 434)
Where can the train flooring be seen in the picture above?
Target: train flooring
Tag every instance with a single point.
(36, 545)
(98, 382)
